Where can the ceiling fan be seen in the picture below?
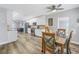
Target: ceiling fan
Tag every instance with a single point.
(55, 7)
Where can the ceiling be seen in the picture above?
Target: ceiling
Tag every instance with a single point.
(31, 10)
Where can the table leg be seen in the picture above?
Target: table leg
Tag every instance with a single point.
(42, 47)
(62, 49)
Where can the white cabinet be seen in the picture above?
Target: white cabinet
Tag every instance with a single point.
(38, 32)
(29, 30)
(12, 36)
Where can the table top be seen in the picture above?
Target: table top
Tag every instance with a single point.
(60, 40)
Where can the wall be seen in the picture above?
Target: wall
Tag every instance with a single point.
(5, 20)
(19, 20)
(3, 26)
(10, 20)
(40, 20)
(12, 31)
(73, 15)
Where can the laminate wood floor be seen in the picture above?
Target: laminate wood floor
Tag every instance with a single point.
(26, 44)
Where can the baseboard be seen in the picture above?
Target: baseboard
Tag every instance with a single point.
(74, 42)
(38, 36)
(7, 42)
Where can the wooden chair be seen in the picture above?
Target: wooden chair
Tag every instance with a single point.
(46, 29)
(61, 33)
(48, 41)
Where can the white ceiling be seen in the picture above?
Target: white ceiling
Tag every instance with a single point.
(30, 10)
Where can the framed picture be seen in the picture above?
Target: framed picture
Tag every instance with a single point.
(50, 21)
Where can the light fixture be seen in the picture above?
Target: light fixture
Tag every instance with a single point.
(54, 10)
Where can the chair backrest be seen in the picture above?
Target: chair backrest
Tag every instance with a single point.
(49, 39)
(68, 40)
(61, 33)
(46, 29)
(67, 43)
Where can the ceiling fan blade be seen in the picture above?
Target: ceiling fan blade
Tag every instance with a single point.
(59, 8)
(59, 5)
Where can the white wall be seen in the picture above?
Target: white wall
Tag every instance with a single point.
(3, 26)
(19, 20)
(73, 15)
(10, 19)
(12, 31)
(5, 20)
(40, 20)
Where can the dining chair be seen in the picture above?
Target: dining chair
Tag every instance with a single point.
(67, 43)
(61, 33)
(67, 49)
(48, 41)
(46, 29)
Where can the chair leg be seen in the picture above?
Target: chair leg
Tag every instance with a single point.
(41, 50)
(58, 51)
(42, 46)
(69, 51)
(44, 49)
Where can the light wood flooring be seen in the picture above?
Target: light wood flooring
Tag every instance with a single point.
(26, 44)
